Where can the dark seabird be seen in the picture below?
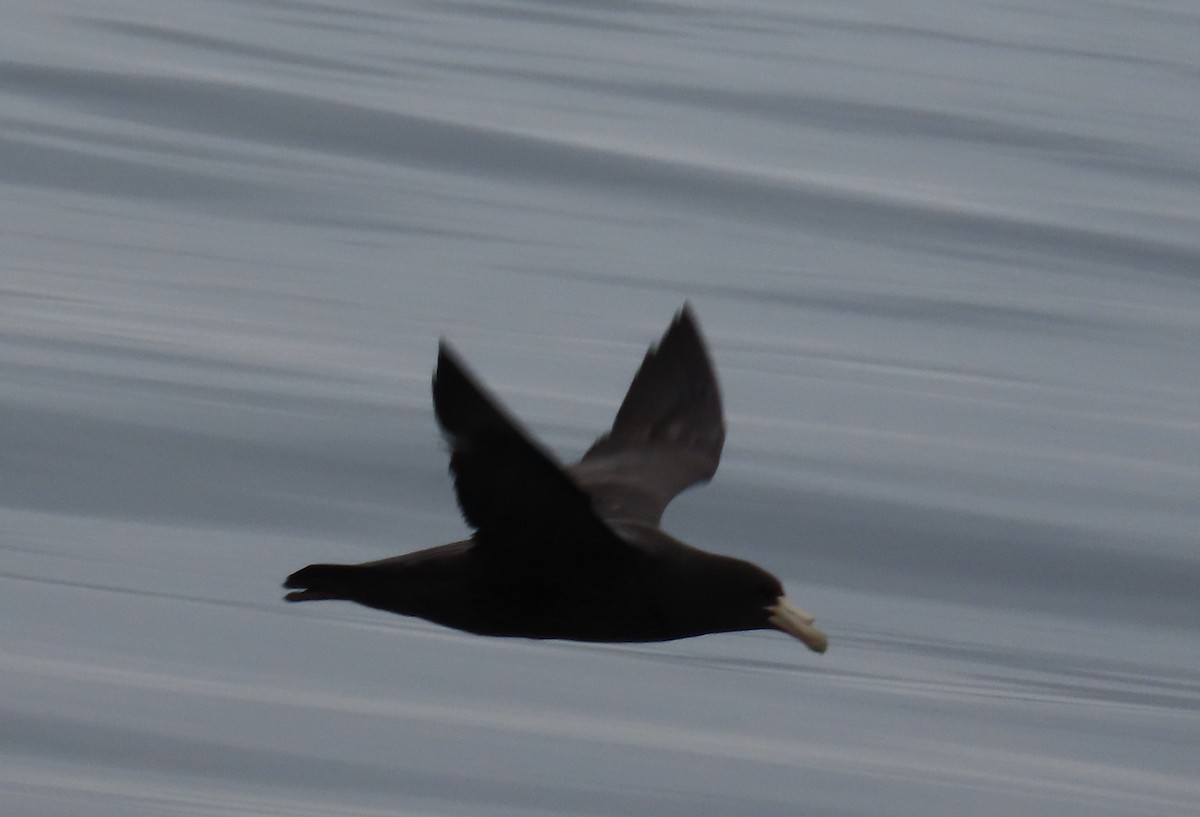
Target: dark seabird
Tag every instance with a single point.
(576, 552)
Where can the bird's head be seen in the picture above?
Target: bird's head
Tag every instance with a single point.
(738, 595)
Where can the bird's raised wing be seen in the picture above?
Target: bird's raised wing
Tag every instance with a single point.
(520, 501)
(668, 433)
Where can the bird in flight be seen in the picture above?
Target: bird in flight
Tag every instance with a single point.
(576, 552)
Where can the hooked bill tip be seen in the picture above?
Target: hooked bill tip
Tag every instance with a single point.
(788, 618)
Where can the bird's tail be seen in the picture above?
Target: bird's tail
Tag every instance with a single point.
(317, 582)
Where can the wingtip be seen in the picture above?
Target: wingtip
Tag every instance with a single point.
(448, 361)
(685, 337)
(686, 315)
(686, 319)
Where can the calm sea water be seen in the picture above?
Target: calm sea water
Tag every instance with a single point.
(948, 259)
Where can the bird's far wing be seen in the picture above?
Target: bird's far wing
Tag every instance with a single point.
(515, 494)
(668, 433)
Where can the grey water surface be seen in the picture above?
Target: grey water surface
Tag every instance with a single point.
(947, 256)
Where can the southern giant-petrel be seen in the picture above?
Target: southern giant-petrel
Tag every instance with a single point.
(576, 552)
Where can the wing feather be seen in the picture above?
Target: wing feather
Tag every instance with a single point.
(668, 433)
(511, 491)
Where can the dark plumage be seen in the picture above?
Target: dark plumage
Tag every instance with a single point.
(576, 552)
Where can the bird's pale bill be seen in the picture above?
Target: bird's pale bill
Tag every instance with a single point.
(790, 619)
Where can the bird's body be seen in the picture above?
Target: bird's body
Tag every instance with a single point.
(576, 552)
